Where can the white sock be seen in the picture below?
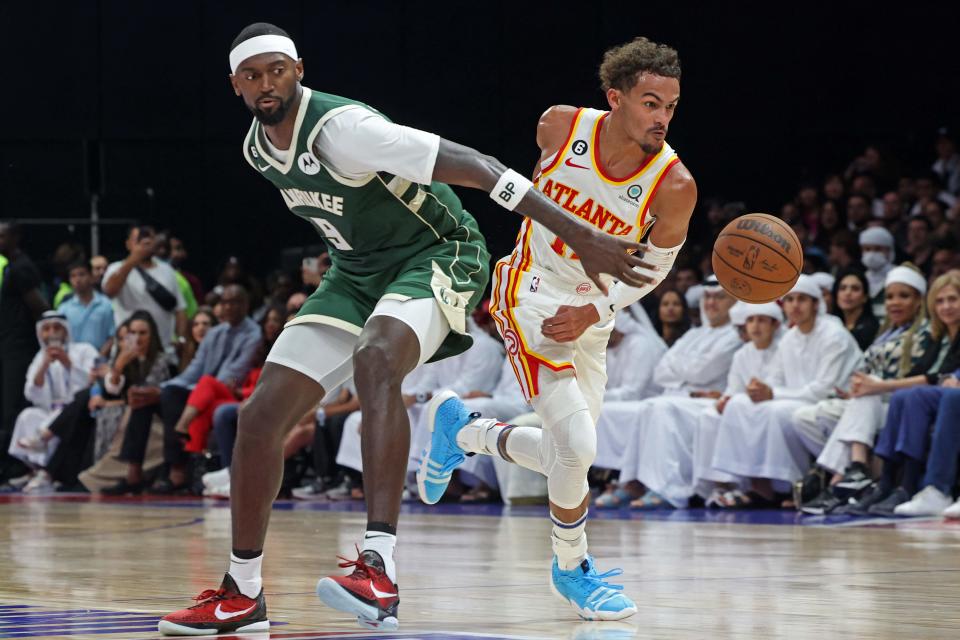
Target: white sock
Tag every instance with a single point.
(246, 573)
(383, 543)
(476, 436)
(569, 541)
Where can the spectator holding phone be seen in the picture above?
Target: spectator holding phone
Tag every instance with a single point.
(141, 282)
(59, 370)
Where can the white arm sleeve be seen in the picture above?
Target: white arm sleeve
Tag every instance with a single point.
(622, 295)
(358, 142)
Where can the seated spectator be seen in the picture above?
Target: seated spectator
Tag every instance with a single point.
(279, 288)
(162, 252)
(687, 276)
(758, 438)
(673, 316)
(200, 324)
(225, 353)
(853, 306)
(903, 443)
(691, 372)
(919, 245)
(135, 376)
(876, 245)
(859, 212)
(941, 474)
(59, 370)
(88, 425)
(210, 392)
(142, 282)
(88, 311)
(843, 252)
(830, 221)
(853, 422)
(762, 323)
(329, 421)
(825, 282)
(945, 258)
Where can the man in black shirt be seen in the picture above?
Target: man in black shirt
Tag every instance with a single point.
(20, 306)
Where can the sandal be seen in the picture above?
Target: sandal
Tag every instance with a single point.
(651, 501)
(615, 499)
(738, 500)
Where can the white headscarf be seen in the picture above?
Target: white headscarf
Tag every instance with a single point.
(907, 276)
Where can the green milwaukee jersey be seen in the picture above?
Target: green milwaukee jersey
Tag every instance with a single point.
(387, 236)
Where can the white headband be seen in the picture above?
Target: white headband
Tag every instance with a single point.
(907, 276)
(256, 45)
(807, 286)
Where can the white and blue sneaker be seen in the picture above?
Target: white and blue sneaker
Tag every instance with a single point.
(589, 593)
(446, 415)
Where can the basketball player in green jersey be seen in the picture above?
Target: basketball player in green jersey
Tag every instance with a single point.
(408, 264)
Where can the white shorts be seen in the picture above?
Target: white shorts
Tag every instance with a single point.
(325, 353)
(522, 300)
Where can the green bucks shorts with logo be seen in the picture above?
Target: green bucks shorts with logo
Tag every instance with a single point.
(454, 273)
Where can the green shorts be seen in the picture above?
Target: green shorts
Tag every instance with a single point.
(455, 273)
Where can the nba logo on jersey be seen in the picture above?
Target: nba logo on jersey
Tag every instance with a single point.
(308, 164)
(534, 284)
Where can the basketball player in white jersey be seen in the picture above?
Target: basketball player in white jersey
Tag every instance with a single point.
(611, 170)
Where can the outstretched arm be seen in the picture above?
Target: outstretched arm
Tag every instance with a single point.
(599, 252)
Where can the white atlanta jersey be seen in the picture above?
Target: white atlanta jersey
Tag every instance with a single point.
(575, 179)
(543, 273)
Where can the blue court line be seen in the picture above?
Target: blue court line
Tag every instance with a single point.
(26, 625)
(36, 634)
(73, 627)
(70, 613)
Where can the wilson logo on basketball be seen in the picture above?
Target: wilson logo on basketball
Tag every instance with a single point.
(764, 229)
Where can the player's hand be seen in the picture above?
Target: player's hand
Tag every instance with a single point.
(603, 253)
(569, 323)
(759, 391)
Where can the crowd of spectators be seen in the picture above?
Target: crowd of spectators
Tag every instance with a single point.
(127, 377)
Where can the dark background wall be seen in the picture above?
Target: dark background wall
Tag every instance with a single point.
(130, 99)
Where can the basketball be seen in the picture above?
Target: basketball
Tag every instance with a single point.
(757, 258)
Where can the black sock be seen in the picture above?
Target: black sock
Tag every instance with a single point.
(247, 554)
(888, 477)
(383, 527)
(912, 470)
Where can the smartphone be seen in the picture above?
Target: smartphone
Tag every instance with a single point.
(311, 265)
(130, 341)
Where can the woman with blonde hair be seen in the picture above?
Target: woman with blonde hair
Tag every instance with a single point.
(905, 440)
(859, 413)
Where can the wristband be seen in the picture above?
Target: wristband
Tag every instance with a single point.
(510, 189)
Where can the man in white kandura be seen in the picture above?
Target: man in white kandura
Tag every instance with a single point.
(611, 170)
(758, 436)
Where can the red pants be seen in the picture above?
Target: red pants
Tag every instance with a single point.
(209, 394)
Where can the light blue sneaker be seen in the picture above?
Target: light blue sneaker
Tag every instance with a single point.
(446, 415)
(590, 594)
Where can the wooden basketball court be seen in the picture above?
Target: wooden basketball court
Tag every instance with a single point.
(83, 568)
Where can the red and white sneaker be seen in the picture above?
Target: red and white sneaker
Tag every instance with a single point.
(366, 593)
(223, 610)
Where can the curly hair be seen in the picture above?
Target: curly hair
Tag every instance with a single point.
(622, 65)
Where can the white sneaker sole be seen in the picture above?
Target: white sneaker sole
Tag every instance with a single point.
(336, 597)
(173, 629)
(593, 615)
(432, 407)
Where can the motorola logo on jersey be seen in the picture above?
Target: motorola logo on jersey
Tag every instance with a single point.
(308, 163)
(579, 147)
